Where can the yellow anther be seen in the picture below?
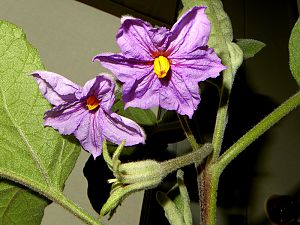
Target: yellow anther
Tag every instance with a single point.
(161, 66)
(92, 102)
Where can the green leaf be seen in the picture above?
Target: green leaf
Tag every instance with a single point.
(294, 50)
(21, 206)
(177, 201)
(171, 211)
(185, 199)
(236, 56)
(250, 47)
(141, 116)
(37, 157)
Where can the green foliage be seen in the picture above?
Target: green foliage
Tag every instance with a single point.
(294, 50)
(141, 116)
(21, 206)
(236, 56)
(30, 154)
(171, 211)
(129, 178)
(250, 47)
(176, 203)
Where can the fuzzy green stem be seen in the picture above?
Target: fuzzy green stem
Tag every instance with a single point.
(196, 157)
(258, 130)
(210, 176)
(52, 194)
(187, 131)
(209, 185)
(222, 114)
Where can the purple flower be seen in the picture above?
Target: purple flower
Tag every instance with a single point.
(86, 111)
(161, 67)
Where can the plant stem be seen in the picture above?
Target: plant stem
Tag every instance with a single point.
(209, 177)
(196, 157)
(187, 131)
(52, 194)
(61, 199)
(209, 180)
(222, 113)
(258, 130)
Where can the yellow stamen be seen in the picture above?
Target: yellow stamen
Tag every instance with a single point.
(92, 102)
(161, 66)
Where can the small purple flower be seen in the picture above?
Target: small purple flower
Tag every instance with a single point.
(86, 111)
(161, 67)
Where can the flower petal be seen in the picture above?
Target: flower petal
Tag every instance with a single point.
(143, 93)
(102, 87)
(65, 118)
(190, 32)
(180, 95)
(56, 88)
(134, 40)
(123, 68)
(117, 128)
(160, 38)
(89, 133)
(199, 67)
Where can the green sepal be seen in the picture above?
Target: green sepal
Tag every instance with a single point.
(129, 178)
(250, 47)
(294, 51)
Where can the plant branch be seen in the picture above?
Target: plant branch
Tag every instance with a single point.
(258, 130)
(187, 131)
(196, 157)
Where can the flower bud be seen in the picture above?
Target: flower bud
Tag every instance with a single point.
(129, 177)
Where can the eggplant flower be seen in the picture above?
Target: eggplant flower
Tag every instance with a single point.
(86, 111)
(162, 67)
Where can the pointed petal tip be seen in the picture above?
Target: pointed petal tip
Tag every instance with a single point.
(96, 58)
(95, 155)
(36, 72)
(126, 17)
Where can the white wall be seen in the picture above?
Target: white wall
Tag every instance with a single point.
(68, 34)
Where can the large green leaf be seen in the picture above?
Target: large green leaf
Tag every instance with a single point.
(19, 206)
(30, 153)
(294, 50)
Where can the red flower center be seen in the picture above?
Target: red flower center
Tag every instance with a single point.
(92, 102)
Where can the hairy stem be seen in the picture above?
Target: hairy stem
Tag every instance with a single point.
(196, 157)
(210, 175)
(188, 133)
(209, 180)
(258, 130)
(222, 114)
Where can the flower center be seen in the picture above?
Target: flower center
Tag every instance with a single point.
(161, 66)
(92, 102)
